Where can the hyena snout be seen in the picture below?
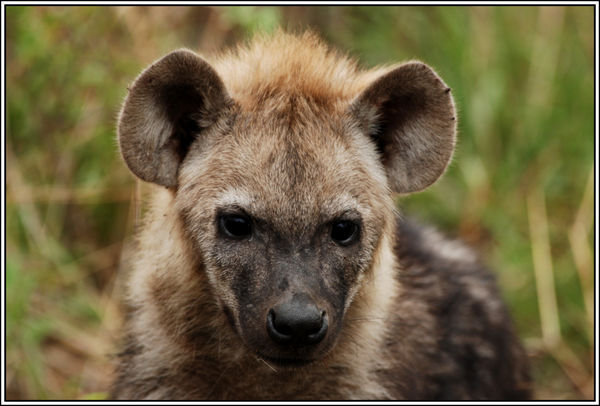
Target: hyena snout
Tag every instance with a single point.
(297, 321)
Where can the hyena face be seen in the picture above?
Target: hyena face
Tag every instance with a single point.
(285, 195)
(286, 229)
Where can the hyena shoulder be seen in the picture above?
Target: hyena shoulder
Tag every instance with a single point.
(450, 306)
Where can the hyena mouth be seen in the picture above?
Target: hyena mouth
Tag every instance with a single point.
(287, 362)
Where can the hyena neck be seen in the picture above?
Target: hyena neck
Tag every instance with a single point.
(181, 330)
(362, 343)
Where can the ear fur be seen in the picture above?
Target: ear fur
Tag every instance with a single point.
(168, 105)
(409, 113)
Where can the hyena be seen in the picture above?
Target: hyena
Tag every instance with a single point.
(272, 263)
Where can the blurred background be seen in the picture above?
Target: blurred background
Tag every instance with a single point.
(520, 189)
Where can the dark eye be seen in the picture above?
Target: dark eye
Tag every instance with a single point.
(235, 226)
(344, 232)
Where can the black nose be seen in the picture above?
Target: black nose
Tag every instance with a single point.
(297, 321)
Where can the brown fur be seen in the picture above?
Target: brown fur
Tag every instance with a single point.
(296, 137)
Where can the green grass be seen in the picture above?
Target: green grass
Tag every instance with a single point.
(522, 78)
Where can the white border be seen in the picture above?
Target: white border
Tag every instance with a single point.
(307, 3)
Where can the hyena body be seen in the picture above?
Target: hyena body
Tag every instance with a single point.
(272, 264)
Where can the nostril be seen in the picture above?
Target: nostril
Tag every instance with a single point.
(319, 334)
(311, 326)
(280, 334)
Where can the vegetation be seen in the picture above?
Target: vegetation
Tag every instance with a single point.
(520, 188)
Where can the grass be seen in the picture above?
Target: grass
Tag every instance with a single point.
(520, 188)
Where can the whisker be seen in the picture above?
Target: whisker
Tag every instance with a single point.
(367, 319)
(267, 364)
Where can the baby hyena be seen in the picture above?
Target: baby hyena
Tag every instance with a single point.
(272, 264)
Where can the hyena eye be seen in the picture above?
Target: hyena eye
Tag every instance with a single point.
(344, 232)
(235, 226)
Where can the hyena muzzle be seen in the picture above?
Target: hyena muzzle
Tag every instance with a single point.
(272, 263)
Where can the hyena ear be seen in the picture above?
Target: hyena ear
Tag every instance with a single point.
(409, 113)
(168, 105)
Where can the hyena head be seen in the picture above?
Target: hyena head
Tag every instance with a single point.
(282, 160)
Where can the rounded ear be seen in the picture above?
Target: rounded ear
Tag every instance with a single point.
(167, 107)
(409, 113)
